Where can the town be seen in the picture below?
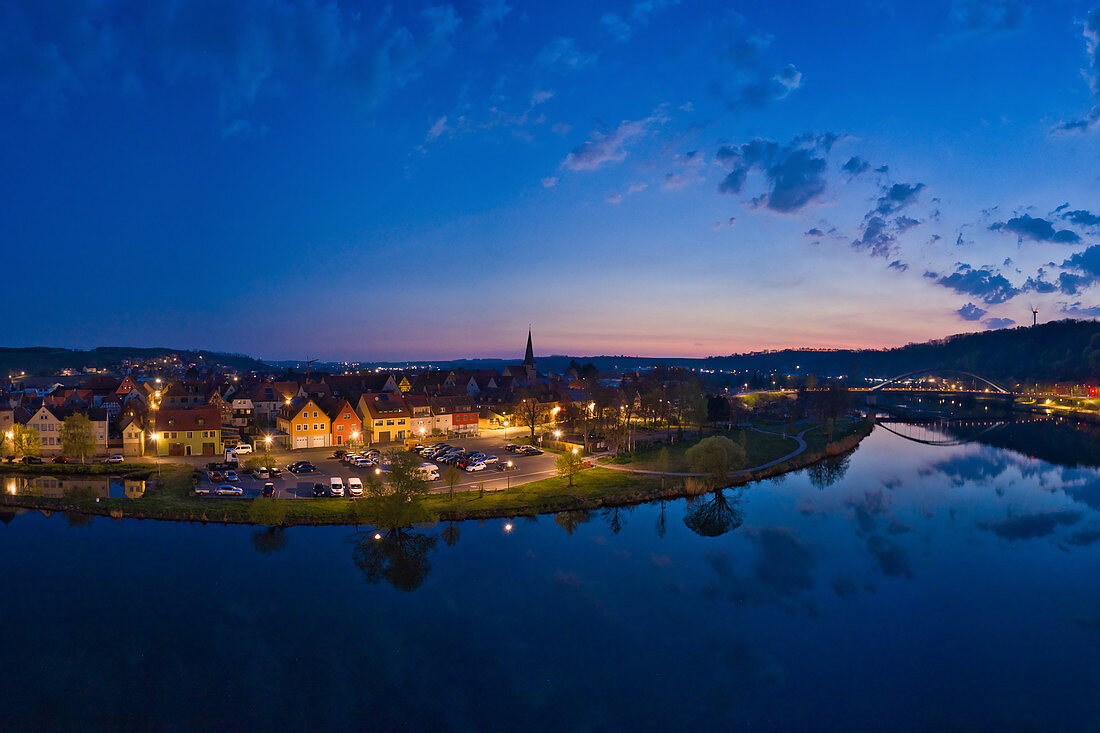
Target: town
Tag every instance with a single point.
(169, 409)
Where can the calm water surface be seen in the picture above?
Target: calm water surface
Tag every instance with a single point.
(911, 587)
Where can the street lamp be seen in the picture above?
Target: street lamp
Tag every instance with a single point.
(509, 475)
(505, 431)
(557, 435)
(156, 453)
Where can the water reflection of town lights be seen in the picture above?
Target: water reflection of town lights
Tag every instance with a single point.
(377, 535)
(508, 527)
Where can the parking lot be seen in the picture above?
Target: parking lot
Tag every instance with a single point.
(300, 486)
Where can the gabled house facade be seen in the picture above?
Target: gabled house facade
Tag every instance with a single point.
(306, 424)
(48, 421)
(385, 417)
(188, 431)
(346, 423)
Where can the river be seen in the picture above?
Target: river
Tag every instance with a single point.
(907, 586)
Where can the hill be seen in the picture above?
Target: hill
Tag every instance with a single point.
(45, 360)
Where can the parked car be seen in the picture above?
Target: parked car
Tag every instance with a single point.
(115, 459)
(429, 471)
(512, 447)
(227, 490)
(268, 489)
(489, 459)
(476, 467)
(61, 459)
(319, 490)
(339, 453)
(202, 491)
(336, 486)
(275, 472)
(217, 476)
(262, 474)
(530, 450)
(506, 466)
(416, 448)
(355, 486)
(231, 476)
(362, 462)
(31, 459)
(242, 449)
(301, 467)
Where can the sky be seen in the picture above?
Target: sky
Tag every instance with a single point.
(358, 181)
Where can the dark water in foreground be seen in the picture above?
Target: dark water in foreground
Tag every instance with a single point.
(923, 588)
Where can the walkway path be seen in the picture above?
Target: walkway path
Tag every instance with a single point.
(801, 447)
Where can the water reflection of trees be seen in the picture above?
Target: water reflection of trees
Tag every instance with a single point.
(662, 524)
(569, 521)
(615, 516)
(827, 472)
(399, 556)
(268, 540)
(714, 516)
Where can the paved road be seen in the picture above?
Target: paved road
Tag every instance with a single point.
(291, 486)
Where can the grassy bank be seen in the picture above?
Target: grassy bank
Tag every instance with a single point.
(759, 448)
(593, 488)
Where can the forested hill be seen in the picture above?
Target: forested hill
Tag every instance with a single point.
(1060, 350)
(1056, 351)
(46, 360)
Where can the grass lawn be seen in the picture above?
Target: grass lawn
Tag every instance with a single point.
(759, 448)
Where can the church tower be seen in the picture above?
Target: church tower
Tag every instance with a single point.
(529, 360)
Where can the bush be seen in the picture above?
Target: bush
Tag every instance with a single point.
(265, 510)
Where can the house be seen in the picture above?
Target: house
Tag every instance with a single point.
(267, 400)
(306, 424)
(133, 437)
(188, 431)
(215, 399)
(47, 420)
(421, 421)
(346, 422)
(385, 416)
(241, 408)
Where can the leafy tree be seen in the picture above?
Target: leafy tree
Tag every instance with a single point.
(715, 457)
(267, 511)
(399, 495)
(25, 441)
(76, 436)
(451, 477)
(568, 465)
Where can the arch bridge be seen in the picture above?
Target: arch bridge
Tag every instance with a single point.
(896, 381)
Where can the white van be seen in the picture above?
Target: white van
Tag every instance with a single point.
(242, 449)
(355, 486)
(429, 471)
(336, 486)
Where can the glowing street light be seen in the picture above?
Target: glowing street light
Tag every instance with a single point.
(557, 434)
(505, 430)
(508, 527)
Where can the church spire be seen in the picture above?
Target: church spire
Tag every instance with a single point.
(529, 357)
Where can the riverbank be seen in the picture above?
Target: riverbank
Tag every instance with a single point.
(593, 488)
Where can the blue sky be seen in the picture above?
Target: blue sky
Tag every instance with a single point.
(358, 181)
